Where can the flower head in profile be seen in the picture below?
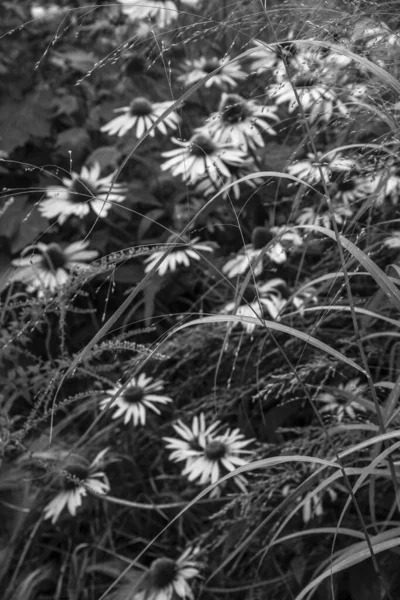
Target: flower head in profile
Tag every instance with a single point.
(314, 169)
(248, 255)
(257, 300)
(181, 254)
(241, 122)
(164, 12)
(209, 454)
(228, 75)
(77, 479)
(310, 216)
(168, 578)
(140, 116)
(201, 157)
(139, 395)
(49, 265)
(313, 502)
(345, 400)
(81, 193)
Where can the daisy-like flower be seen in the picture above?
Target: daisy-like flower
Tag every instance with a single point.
(344, 400)
(316, 97)
(256, 300)
(313, 168)
(182, 254)
(49, 267)
(81, 478)
(210, 456)
(309, 216)
(202, 157)
(227, 77)
(164, 12)
(313, 506)
(351, 190)
(242, 261)
(168, 579)
(264, 57)
(140, 115)
(191, 438)
(133, 401)
(80, 193)
(241, 122)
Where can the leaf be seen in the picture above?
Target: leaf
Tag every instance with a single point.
(32, 224)
(24, 119)
(105, 156)
(75, 140)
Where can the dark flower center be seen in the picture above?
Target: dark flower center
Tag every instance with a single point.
(53, 258)
(140, 107)
(260, 237)
(201, 144)
(81, 191)
(133, 394)
(215, 450)
(234, 109)
(305, 81)
(210, 65)
(346, 186)
(163, 572)
(79, 471)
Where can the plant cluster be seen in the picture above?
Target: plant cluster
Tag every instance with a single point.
(199, 300)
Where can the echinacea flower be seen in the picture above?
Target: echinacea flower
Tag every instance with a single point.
(133, 401)
(247, 256)
(310, 216)
(314, 168)
(48, 267)
(191, 438)
(351, 190)
(313, 506)
(228, 76)
(264, 57)
(241, 122)
(316, 97)
(256, 300)
(168, 578)
(139, 116)
(182, 254)
(81, 478)
(222, 454)
(202, 157)
(164, 12)
(80, 194)
(344, 400)
(209, 455)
